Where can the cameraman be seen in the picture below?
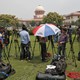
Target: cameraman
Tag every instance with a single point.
(25, 44)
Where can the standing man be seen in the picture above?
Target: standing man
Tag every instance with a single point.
(25, 44)
(43, 48)
(62, 42)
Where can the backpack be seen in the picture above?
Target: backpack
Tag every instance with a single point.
(60, 64)
(5, 70)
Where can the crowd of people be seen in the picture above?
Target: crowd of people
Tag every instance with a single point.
(62, 39)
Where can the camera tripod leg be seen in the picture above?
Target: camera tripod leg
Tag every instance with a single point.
(69, 53)
(5, 49)
(10, 47)
(74, 60)
(15, 50)
(48, 45)
(72, 50)
(33, 49)
(73, 57)
(4, 53)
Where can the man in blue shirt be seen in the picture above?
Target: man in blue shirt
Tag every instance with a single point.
(25, 44)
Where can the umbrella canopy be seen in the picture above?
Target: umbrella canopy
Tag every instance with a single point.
(46, 30)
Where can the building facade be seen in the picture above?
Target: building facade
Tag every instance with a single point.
(37, 18)
(72, 17)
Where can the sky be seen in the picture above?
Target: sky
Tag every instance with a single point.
(24, 9)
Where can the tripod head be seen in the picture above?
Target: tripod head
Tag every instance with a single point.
(15, 35)
(16, 40)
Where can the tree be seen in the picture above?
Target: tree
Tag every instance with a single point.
(53, 18)
(77, 22)
(32, 23)
(8, 20)
(72, 23)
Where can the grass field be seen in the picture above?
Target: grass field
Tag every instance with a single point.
(27, 70)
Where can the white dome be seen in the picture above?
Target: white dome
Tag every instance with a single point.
(39, 8)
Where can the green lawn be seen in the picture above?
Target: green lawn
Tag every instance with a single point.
(27, 70)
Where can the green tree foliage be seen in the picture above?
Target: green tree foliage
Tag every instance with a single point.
(53, 18)
(8, 20)
(72, 23)
(32, 23)
(77, 22)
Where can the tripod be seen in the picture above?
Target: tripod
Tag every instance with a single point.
(72, 50)
(14, 35)
(78, 39)
(5, 55)
(34, 47)
(16, 45)
(52, 44)
(5, 49)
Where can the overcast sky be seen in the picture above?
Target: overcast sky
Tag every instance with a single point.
(25, 8)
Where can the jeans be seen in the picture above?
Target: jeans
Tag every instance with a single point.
(61, 48)
(43, 51)
(25, 53)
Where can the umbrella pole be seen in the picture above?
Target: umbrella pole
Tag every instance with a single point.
(33, 48)
(48, 45)
(52, 45)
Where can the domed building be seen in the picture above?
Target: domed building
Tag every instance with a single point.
(39, 12)
(37, 18)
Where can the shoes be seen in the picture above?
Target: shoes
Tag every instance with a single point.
(21, 60)
(44, 60)
(29, 60)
